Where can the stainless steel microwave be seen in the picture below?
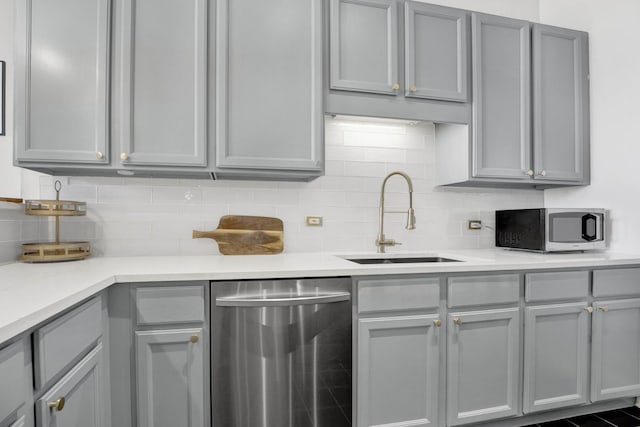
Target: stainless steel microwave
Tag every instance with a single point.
(551, 230)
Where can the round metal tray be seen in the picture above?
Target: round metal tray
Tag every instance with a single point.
(55, 208)
(54, 252)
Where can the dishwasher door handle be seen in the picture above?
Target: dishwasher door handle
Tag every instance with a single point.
(280, 302)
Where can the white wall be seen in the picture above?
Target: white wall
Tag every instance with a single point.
(136, 216)
(9, 175)
(614, 37)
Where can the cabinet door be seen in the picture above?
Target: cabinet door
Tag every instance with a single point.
(501, 97)
(364, 45)
(560, 103)
(435, 52)
(615, 349)
(483, 365)
(163, 82)
(62, 68)
(556, 349)
(398, 369)
(170, 379)
(78, 398)
(269, 85)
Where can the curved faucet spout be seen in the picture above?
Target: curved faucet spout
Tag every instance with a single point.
(381, 242)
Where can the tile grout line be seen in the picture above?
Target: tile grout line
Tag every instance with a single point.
(606, 421)
(630, 414)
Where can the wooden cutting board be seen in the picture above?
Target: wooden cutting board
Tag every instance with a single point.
(246, 235)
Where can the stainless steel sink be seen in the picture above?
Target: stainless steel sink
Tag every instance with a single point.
(396, 260)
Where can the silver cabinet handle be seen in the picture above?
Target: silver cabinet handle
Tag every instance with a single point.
(530, 172)
(603, 308)
(276, 302)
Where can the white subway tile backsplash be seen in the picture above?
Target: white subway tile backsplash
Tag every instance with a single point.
(123, 194)
(141, 216)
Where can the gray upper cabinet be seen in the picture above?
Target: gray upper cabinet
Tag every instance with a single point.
(364, 45)
(435, 52)
(483, 365)
(560, 103)
(162, 82)
(501, 92)
(61, 81)
(556, 350)
(269, 88)
(615, 372)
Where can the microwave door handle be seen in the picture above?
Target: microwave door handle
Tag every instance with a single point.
(585, 229)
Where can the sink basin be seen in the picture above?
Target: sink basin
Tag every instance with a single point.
(396, 260)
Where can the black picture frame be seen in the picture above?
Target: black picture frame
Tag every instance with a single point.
(3, 88)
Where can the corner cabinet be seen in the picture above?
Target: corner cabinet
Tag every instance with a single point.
(268, 101)
(78, 399)
(62, 81)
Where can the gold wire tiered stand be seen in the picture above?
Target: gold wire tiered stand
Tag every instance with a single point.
(55, 251)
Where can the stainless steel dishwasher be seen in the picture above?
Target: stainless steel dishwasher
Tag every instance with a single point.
(281, 353)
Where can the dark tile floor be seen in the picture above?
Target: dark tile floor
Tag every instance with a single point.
(627, 417)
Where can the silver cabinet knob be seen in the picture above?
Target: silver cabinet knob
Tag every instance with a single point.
(588, 309)
(194, 338)
(542, 173)
(437, 323)
(530, 172)
(603, 309)
(124, 156)
(99, 155)
(395, 86)
(413, 89)
(457, 321)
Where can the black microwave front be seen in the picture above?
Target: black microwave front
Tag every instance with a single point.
(551, 229)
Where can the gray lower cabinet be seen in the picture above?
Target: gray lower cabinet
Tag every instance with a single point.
(162, 82)
(78, 399)
(170, 378)
(16, 384)
(269, 113)
(483, 365)
(556, 351)
(615, 349)
(398, 371)
(61, 85)
(560, 104)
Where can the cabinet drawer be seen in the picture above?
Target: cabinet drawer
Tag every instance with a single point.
(13, 378)
(60, 342)
(555, 286)
(170, 304)
(398, 294)
(483, 290)
(618, 282)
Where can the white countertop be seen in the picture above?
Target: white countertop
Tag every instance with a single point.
(32, 293)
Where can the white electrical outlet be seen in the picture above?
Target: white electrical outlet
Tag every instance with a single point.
(474, 224)
(314, 221)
